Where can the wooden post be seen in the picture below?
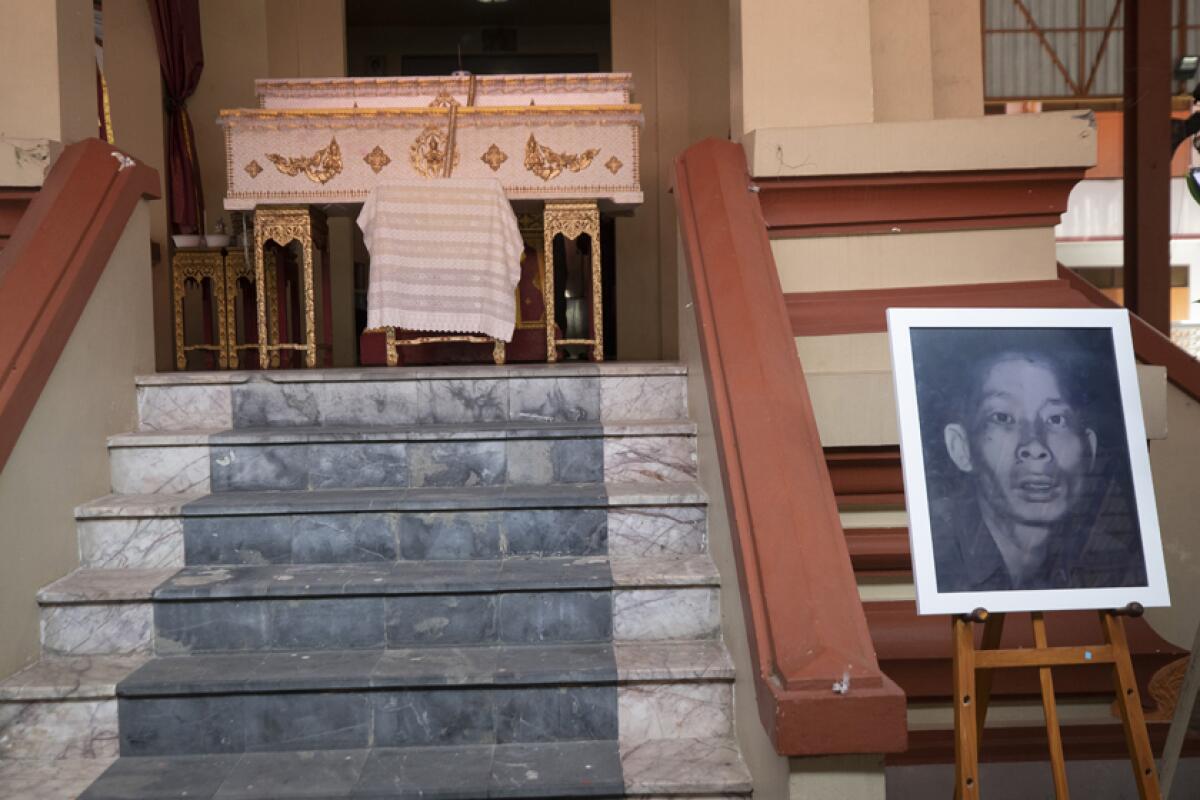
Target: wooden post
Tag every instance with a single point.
(1058, 764)
(1147, 270)
(966, 745)
(1130, 704)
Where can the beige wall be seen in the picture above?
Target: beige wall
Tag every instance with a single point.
(678, 52)
(1173, 463)
(135, 101)
(60, 459)
(47, 70)
(802, 62)
(768, 769)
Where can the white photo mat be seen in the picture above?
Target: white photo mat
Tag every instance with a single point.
(901, 322)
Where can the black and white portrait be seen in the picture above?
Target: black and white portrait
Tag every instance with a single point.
(1027, 466)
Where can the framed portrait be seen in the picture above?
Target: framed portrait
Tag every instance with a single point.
(1026, 471)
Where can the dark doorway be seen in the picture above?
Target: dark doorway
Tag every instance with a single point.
(436, 37)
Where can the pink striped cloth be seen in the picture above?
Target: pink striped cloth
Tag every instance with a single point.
(445, 256)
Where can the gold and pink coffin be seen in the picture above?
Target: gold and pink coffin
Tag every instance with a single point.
(337, 155)
(575, 89)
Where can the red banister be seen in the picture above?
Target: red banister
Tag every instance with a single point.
(805, 621)
(1150, 345)
(52, 263)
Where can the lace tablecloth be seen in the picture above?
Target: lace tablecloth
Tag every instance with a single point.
(445, 256)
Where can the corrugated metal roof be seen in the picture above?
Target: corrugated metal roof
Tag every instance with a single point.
(1016, 63)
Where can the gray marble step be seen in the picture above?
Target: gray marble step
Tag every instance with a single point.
(407, 604)
(703, 769)
(332, 526)
(110, 612)
(490, 454)
(382, 396)
(420, 697)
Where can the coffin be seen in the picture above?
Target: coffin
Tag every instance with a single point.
(603, 88)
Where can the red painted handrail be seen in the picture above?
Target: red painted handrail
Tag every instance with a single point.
(51, 265)
(1149, 344)
(805, 621)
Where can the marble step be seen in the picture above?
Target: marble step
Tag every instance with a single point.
(487, 454)
(105, 612)
(381, 396)
(407, 604)
(365, 525)
(424, 697)
(112, 612)
(63, 708)
(702, 769)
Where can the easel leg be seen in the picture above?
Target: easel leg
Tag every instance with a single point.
(993, 628)
(1058, 764)
(1136, 737)
(966, 743)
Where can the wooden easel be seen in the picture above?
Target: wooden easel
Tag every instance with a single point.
(973, 683)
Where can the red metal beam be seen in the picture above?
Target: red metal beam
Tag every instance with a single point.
(1148, 161)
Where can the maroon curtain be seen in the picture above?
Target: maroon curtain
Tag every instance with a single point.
(181, 56)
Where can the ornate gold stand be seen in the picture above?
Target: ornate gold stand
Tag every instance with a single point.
(236, 269)
(572, 220)
(200, 266)
(223, 268)
(283, 225)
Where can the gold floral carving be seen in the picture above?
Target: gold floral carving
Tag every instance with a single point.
(377, 159)
(428, 152)
(443, 100)
(494, 157)
(614, 165)
(321, 167)
(548, 165)
(253, 168)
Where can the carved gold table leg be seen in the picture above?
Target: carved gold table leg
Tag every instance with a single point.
(572, 220)
(199, 266)
(283, 225)
(499, 352)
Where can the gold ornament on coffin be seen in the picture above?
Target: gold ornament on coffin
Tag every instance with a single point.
(252, 169)
(428, 152)
(377, 159)
(548, 165)
(614, 165)
(443, 100)
(321, 167)
(494, 157)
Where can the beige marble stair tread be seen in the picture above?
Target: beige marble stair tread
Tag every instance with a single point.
(70, 678)
(703, 659)
(559, 370)
(48, 779)
(698, 570)
(168, 505)
(135, 505)
(684, 767)
(104, 586)
(351, 434)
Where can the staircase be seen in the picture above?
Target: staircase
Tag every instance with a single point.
(436, 582)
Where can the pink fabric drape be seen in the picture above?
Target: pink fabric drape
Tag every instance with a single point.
(181, 56)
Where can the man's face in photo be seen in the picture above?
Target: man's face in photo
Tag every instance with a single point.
(1024, 443)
